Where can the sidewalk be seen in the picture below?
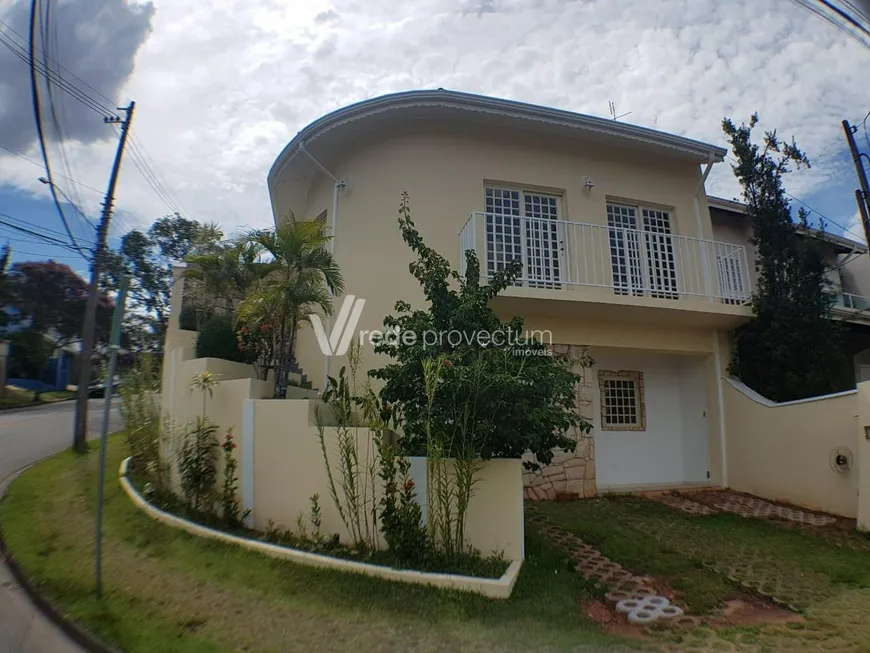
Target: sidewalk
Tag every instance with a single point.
(23, 628)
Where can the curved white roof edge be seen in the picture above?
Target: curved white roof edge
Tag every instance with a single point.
(509, 108)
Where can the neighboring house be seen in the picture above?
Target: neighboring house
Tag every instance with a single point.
(620, 258)
(58, 371)
(850, 275)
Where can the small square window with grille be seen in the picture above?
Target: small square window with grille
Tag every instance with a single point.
(622, 403)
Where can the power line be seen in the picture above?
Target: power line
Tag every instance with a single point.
(36, 235)
(828, 18)
(160, 178)
(150, 176)
(49, 40)
(37, 114)
(111, 103)
(43, 254)
(24, 223)
(22, 52)
(50, 77)
(810, 208)
(39, 165)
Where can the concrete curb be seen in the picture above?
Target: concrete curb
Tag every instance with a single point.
(494, 588)
(71, 629)
(41, 404)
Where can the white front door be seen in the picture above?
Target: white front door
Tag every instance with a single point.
(650, 419)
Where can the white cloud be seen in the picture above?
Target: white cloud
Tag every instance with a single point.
(220, 92)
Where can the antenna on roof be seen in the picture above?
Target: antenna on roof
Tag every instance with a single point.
(613, 115)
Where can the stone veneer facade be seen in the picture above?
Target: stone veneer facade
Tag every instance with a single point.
(570, 475)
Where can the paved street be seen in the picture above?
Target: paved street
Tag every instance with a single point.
(26, 436)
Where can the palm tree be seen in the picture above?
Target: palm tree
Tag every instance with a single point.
(223, 275)
(299, 277)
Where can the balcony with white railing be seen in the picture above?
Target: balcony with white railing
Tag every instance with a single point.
(595, 262)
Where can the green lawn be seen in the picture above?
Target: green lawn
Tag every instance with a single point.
(825, 573)
(168, 591)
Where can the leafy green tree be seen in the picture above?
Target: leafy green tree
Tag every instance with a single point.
(49, 298)
(221, 277)
(29, 353)
(147, 258)
(297, 277)
(494, 383)
(792, 348)
(5, 255)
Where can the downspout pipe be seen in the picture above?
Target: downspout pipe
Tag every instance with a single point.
(705, 255)
(338, 186)
(717, 349)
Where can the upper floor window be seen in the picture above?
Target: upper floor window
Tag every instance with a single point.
(642, 256)
(525, 225)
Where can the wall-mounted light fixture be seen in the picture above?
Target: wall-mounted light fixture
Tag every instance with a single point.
(588, 184)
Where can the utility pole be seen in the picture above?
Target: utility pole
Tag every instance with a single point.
(861, 196)
(89, 330)
(114, 346)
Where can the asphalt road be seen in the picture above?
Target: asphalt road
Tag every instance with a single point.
(26, 435)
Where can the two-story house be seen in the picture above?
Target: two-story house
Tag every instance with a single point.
(620, 259)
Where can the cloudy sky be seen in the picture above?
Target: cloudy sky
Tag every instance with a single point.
(219, 92)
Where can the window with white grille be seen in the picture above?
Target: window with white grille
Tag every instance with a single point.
(524, 225)
(731, 286)
(660, 253)
(503, 229)
(642, 257)
(624, 250)
(622, 402)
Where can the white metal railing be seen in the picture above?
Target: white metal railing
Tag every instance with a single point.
(561, 255)
(854, 302)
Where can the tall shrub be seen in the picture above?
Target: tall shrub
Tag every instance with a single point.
(792, 348)
(523, 399)
(140, 410)
(217, 339)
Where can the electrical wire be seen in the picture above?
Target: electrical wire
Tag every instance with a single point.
(137, 144)
(60, 82)
(864, 124)
(846, 16)
(21, 223)
(151, 178)
(37, 114)
(828, 18)
(35, 235)
(104, 107)
(39, 165)
(811, 209)
(49, 41)
(109, 101)
(42, 254)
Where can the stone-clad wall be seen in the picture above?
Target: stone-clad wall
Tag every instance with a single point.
(569, 474)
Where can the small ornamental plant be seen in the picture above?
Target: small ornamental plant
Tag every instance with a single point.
(231, 511)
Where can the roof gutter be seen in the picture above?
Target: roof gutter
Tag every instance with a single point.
(496, 106)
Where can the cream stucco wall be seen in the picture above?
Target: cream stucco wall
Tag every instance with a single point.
(782, 451)
(856, 276)
(445, 167)
(862, 450)
(281, 464)
(289, 469)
